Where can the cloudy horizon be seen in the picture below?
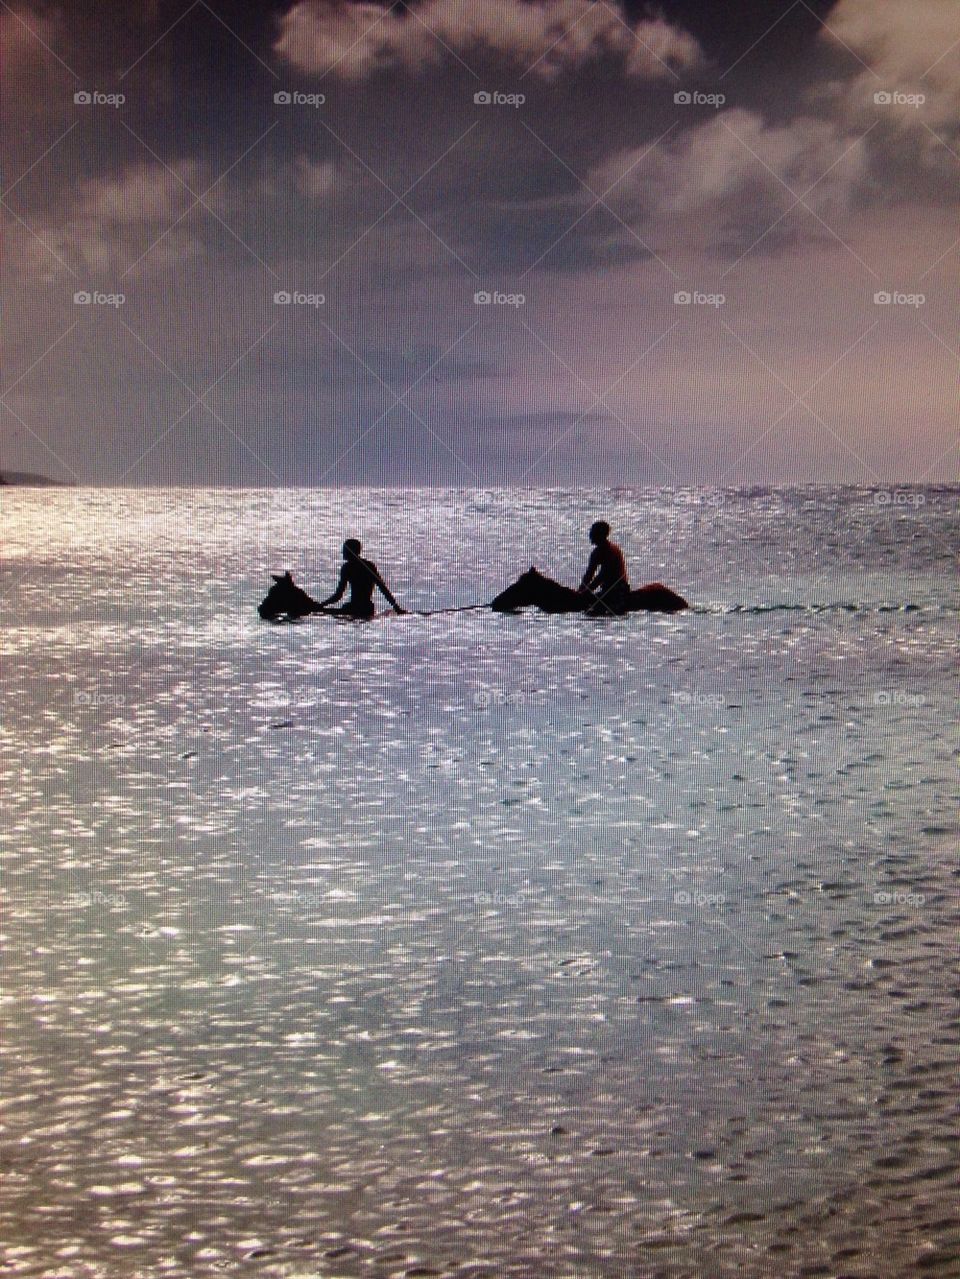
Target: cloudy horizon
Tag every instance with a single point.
(531, 242)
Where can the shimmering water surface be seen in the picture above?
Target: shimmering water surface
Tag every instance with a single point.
(477, 945)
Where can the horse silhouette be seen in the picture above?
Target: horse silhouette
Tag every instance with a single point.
(285, 601)
(535, 590)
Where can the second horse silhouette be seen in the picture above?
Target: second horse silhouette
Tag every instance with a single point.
(534, 590)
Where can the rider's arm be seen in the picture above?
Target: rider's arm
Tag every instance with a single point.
(593, 567)
(386, 591)
(338, 593)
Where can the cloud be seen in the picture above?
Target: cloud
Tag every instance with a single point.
(144, 220)
(143, 195)
(547, 37)
(724, 183)
(112, 221)
(910, 48)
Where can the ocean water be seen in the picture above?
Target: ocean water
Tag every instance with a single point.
(476, 945)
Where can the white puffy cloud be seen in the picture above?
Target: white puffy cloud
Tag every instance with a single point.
(112, 221)
(725, 181)
(546, 36)
(910, 48)
(143, 194)
(145, 220)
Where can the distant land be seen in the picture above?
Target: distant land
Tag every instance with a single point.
(28, 477)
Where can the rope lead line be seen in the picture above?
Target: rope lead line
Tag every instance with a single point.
(465, 608)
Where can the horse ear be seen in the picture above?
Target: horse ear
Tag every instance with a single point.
(276, 577)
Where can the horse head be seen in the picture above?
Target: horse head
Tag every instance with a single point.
(285, 600)
(524, 592)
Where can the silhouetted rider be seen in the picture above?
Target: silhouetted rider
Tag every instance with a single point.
(362, 576)
(606, 575)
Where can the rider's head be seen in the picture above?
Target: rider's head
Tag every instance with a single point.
(599, 532)
(351, 548)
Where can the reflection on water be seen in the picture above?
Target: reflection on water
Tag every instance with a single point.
(477, 945)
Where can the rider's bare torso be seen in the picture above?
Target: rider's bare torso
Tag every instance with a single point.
(363, 578)
(607, 569)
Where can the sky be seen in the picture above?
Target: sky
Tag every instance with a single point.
(531, 242)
